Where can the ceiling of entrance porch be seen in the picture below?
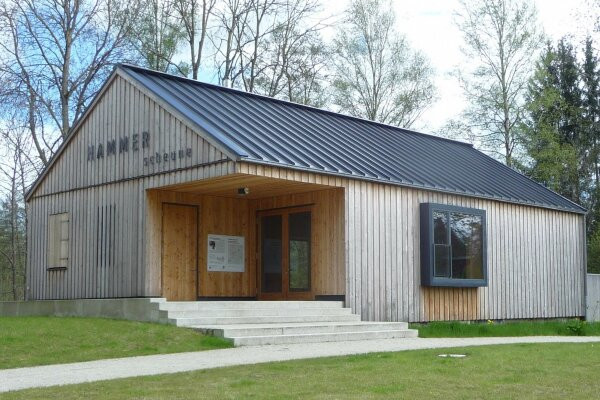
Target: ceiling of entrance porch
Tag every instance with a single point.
(258, 186)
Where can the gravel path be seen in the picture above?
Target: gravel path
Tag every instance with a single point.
(63, 374)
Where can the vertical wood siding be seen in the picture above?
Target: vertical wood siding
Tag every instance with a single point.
(535, 256)
(127, 275)
(120, 112)
(236, 216)
(116, 182)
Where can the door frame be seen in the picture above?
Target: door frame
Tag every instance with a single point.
(196, 244)
(285, 293)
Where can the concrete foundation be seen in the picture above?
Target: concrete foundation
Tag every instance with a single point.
(134, 309)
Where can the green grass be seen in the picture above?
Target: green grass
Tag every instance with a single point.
(27, 341)
(525, 371)
(510, 328)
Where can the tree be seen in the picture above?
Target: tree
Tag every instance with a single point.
(500, 36)
(55, 54)
(594, 253)
(377, 74)
(260, 25)
(228, 39)
(195, 15)
(293, 55)
(306, 74)
(14, 174)
(591, 103)
(551, 134)
(158, 35)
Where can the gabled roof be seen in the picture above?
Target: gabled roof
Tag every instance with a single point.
(258, 129)
(263, 130)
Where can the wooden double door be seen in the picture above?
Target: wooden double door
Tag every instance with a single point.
(284, 254)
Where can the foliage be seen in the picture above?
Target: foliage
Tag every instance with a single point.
(158, 35)
(28, 341)
(55, 55)
(552, 135)
(594, 253)
(12, 250)
(577, 327)
(378, 76)
(561, 132)
(523, 371)
(508, 328)
(499, 37)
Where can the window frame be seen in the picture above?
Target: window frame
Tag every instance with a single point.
(55, 242)
(428, 277)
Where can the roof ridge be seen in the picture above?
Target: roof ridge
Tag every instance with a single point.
(289, 103)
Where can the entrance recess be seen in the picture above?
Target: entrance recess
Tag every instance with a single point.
(284, 256)
(179, 251)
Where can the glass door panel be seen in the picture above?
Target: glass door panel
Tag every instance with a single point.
(271, 253)
(299, 251)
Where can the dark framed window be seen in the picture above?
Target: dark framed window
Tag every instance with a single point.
(453, 246)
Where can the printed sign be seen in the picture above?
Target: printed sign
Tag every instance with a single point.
(225, 253)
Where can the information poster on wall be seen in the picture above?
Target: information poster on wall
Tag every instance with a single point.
(225, 253)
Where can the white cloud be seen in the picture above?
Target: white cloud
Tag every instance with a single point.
(428, 24)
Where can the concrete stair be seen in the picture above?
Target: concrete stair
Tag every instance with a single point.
(253, 323)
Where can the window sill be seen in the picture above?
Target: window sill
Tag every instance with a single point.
(457, 283)
(56, 269)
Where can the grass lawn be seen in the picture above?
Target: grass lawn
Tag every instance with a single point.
(27, 341)
(524, 371)
(510, 328)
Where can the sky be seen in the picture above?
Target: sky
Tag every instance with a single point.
(428, 26)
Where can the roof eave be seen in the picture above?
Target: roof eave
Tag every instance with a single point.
(575, 210)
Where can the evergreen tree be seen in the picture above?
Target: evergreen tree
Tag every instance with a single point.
(553, 158)
(562, 131)
(554, 135)
(591, 129)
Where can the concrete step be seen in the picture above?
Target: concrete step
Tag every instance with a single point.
(322, 337)
(240, 330)
(273, 319)
(257, 312)
(212, 305)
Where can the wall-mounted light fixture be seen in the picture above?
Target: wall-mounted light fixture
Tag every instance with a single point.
(243, 191)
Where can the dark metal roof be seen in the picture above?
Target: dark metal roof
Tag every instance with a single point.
(263, 130)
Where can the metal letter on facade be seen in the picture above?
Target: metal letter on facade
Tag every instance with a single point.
(111, 147)
(124, 144)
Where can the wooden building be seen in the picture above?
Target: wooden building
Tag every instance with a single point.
(175, 188)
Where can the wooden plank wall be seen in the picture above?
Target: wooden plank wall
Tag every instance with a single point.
(236, 216)
(123, 111)
(83, 277)
(535, 256)
(79, 186)
(218, 215)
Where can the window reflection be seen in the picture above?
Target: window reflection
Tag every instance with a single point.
(440, 227)
(466, 246)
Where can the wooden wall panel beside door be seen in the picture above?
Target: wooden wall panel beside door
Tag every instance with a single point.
(179, 251)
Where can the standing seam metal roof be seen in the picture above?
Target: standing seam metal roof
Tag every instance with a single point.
(263, 130)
